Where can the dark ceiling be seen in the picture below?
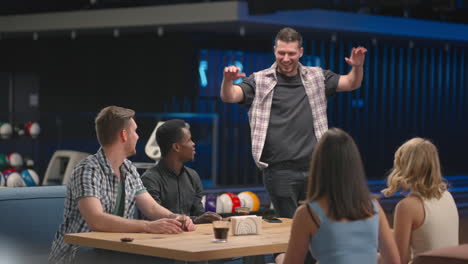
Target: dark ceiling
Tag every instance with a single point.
(455, 11)
(34, 6)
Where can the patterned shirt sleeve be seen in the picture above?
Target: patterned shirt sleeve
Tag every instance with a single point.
(140, 188)
(86, 183)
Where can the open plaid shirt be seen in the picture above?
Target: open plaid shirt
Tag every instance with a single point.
(259, 112)
(93, 177)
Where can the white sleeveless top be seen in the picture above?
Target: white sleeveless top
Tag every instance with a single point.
(440, 226)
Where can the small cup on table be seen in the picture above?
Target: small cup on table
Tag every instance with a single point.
(221, 230)
(242, 210)
(181, 218)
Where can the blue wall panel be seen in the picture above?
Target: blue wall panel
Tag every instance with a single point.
(407, 90)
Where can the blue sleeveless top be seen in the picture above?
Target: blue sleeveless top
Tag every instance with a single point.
(345, 242)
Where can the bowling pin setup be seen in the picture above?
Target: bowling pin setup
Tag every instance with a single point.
(17, 170)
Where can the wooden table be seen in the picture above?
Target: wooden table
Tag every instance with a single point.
(191, 246)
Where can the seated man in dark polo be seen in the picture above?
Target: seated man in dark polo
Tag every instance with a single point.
(173, 185)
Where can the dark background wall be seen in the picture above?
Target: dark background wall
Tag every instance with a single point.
(88, 73)
(409, 89)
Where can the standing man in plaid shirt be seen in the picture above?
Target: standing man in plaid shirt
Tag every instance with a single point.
(103, 192)
(288, 114)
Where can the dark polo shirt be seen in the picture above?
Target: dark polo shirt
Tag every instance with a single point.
(179, 193)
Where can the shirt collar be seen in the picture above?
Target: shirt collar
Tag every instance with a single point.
(162, 165)
(272, 70)
(101, 155)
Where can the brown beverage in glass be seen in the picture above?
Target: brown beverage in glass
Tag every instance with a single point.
(182, 224)
(242, 210)
(220, 230)
(221, 233)
(181, 219)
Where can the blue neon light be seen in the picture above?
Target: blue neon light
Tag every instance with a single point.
(202, 68)
(313, 61)
(239, 64)
(357, 103)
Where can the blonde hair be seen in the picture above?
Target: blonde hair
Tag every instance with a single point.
(416, 167)
(110, 121)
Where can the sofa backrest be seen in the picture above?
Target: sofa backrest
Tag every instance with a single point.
(450, 255)
(30, 216)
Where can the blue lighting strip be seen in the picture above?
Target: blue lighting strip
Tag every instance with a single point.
(349, 110)
(458, 192)
(236, 190)
(178, 115)
(448, 178)
(383, 89)
(392, 83)
(455, 178)
(409, 98)
(417, 88)
(370, 182)
(399, 109)
(448, 88)
(431, 84)
(340, 98)
(458, 189)
(439, 86)
(462, 109)
(329, 20)
(424, 85)
(454, 86)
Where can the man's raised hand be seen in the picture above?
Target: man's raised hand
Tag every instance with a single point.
(231, 73)
(357, 57)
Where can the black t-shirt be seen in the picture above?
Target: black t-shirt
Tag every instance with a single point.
(290, 135)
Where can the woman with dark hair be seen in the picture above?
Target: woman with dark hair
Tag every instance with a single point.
(340, 222)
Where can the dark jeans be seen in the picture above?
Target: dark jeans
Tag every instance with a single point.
(286, 187)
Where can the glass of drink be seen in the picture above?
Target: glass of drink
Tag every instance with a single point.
(221, 230)
(242, 210)
(181, 218)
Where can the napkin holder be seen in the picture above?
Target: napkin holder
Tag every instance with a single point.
(246, 225)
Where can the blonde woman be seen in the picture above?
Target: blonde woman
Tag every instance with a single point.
(427, 217)
(340, 223)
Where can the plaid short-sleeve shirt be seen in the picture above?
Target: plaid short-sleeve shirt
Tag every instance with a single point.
(259, 112)
(93, 177)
